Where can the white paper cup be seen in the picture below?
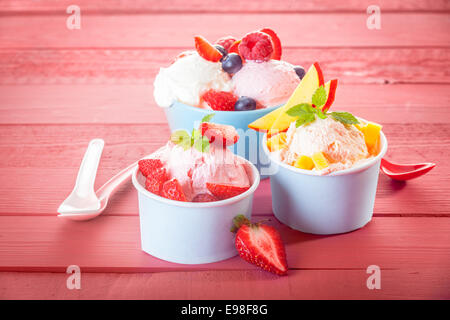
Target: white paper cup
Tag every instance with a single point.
(336, 203)
(191, 232)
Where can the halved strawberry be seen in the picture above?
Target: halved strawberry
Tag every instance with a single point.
(219, 100)
(172, 190)
(206, 50)
(147, 166)
(276, 54)
(155, 180)
(220, 134)
(225, 191)
(260, 244)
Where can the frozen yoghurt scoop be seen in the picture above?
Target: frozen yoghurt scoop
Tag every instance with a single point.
(230, 75)
(197, 167)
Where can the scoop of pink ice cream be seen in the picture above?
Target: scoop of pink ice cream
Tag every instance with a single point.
(270, 83)
(193, 169)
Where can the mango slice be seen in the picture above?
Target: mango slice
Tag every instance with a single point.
(304, 162)
(276, 142)
(320, 162)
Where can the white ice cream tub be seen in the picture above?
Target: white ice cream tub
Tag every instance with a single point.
(191, 232)
(336, 203)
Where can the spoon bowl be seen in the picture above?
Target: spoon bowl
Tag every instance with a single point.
(403, 172)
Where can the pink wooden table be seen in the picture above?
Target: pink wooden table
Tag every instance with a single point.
(59, 88)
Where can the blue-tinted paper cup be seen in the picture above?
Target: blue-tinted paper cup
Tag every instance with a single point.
(336, 203)
(249, 146)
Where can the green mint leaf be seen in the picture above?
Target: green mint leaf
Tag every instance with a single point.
(208, 117)
(300, 109)
(319, 97)
(305, 119)
(202, 144)
(182, 138)
(344, 117)
(320, 114)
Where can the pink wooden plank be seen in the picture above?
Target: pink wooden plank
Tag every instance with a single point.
(140, 66)
(40, 162)
(249, 284)
(178, 6)
(112, 244)
(347, 30)
(134, 104)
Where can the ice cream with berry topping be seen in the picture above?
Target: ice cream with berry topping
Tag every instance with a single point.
(231, 75)
(304, 134)
(197, 167)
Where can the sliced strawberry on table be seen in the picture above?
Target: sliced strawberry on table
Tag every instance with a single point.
(204, 197)
(155, 180)
(220, 134)
(146, 166)
(260, 244)
(226, 42)
(225, 191)
(206, 50)
(276, 54)
(172, 190)
(219, 100)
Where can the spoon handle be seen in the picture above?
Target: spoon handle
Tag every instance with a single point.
(84, 184)
(111, 185)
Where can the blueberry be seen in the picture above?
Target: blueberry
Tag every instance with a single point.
(222, 50)
(232, 63)
(299, 71)
(245, 104)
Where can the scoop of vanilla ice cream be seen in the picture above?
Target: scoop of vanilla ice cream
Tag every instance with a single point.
(193, 169)
(342, 145)
(187, 78)
(270, 83)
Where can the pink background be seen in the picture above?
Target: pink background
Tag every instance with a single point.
(59, 88)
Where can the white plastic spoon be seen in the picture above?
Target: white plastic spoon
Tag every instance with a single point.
(83, 203)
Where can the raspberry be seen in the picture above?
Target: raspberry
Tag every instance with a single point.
(172, 190)
(204, 197)
(156, 180)
(147, 166)
(256, 46)
(226, 42)
(220, 100)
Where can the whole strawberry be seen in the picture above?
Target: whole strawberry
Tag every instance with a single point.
(260, 244)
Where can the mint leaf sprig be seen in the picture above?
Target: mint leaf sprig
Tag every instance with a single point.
(195, 139)
(306, 113)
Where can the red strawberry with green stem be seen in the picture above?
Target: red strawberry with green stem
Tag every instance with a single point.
(260, 244)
